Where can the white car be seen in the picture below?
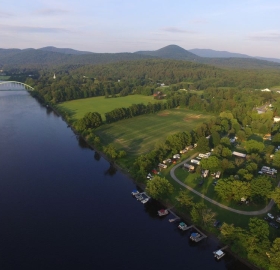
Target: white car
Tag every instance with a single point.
(270, 215)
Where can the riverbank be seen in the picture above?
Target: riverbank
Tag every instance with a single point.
(125, 171)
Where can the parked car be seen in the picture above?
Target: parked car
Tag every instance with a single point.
(270, 215)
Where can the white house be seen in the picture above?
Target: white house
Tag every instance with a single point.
(276, 119)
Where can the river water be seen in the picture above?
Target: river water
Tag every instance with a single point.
(61, 207)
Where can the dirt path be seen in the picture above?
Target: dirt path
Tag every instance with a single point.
(247, 213)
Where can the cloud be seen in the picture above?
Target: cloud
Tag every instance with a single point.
(51, 11)
(5, 14)
(266, 36)
(199, 21)
(176, 30)
(31, 29)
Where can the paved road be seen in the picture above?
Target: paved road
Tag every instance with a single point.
(247, 213)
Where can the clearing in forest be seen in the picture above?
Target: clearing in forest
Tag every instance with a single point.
(140, 134)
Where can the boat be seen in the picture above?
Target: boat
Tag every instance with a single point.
(183, 226)
(163, 212)
(139, 197)
(218, 254)
(195, 236)
(135, 192)
(145, 200)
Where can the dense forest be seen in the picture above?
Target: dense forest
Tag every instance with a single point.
(144, 77)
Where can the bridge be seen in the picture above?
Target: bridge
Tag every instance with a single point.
(14, 86)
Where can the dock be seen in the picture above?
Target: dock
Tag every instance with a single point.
(200, 237)
(218, 254)
(175, 216)
(145, 194)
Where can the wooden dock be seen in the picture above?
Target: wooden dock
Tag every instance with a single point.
(175, 216)
(144, 193)
(201, 233)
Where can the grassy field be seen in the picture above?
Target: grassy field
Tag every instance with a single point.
(78, 108)
(139, 135)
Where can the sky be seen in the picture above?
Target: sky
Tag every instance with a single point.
(242, 26)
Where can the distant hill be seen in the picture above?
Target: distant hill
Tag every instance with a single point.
(38, 58)
(217, 54)
(64, 50)
(224, 54)
(52, 57)
(171, 52)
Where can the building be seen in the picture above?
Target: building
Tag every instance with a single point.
(276, 119)
(237, 154)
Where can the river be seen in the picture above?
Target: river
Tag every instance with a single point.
(61, 207)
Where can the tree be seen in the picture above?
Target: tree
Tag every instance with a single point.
(276, 139)
(159, 188)
(275, 195)
(203, 215)
(215, 138)
(225, 142)
(276, 159)
(261, 188)
(274, 255)
(253, 146)
(90, 120)
(184, 199)
(212, 163)
(203, 144)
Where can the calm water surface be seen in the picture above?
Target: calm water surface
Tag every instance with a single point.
(62, 208)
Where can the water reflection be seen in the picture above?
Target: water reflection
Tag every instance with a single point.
(97, 156)
(111, 170)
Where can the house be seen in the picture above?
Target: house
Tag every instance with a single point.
(276, 119)
(162, 166)
(194, 161)
(237, 154)
(188, 166)
(205, 173)
(218, 174)
(267, 137)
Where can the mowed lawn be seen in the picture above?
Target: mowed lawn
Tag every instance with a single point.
(139, 135)
(78, 108)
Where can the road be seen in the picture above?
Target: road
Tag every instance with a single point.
(247, 213)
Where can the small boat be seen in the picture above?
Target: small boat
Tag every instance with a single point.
(163, 212)
(194, 236)
(183, 226)
(145, 200)
(135, 192)
(218, 254)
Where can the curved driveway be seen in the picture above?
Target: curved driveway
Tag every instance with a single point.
(248, 213)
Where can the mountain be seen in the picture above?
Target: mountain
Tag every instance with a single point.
(217, 54)
(224, 54)
(171, 52)
(64, 50)
(268, 59)
(38, 58)
(53, 57)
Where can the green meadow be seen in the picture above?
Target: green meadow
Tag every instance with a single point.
(78, 108)
(140, 134)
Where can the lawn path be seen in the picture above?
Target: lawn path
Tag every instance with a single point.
(247, 213)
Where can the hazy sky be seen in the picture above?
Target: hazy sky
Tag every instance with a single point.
(244, 26)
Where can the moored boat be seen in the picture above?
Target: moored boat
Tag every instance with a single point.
(218, 254)
(183, 226)
(163, 212)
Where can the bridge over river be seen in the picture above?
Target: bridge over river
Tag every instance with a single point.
(14, 86)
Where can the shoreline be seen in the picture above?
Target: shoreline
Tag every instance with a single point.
(183, 216)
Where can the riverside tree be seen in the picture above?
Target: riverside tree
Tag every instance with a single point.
(159, 188)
